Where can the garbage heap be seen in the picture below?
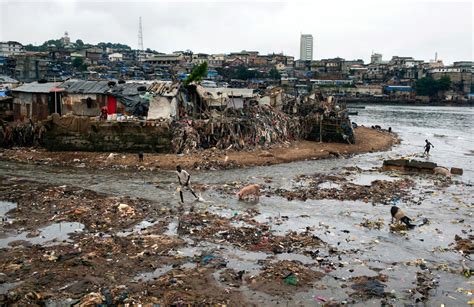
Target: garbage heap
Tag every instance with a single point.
(237, 129)
(325, 120)
(23, 134)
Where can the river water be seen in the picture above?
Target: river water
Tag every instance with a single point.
(450, 130)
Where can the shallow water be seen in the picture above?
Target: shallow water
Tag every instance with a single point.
(335, 222)
(49, 235)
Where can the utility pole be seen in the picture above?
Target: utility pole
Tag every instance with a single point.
(55, 96)
(140, 34)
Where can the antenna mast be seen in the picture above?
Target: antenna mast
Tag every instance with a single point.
(140, 34)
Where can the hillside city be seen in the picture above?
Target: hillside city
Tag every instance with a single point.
(397, 77)
(134, 177)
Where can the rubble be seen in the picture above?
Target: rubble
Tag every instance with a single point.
(465, 246)
(425, 282)
(284, 278)
(373, 224)
(380, 191)
(23, 134)
(367, 287)
(257, 126)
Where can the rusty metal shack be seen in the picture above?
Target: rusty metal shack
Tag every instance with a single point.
(36, 100)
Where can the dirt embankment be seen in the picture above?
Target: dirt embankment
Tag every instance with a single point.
(367, 140)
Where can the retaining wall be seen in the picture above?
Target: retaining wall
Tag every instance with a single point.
(110, 136)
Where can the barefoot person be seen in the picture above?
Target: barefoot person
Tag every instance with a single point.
(428, 146)
(183, 178)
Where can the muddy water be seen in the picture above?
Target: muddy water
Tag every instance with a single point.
(362, 251)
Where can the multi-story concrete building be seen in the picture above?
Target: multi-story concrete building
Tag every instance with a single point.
(306, 47)
(376, 58)
(460, 74)
(11, 48)
(31, 67)
(216, 60)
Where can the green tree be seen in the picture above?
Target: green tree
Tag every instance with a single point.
(274, 74)
(198, 73)
(444, 83)
(114, 46)
(79, 43)
(79, 64)
(430, 87)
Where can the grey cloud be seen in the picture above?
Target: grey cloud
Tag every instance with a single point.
(350, 29)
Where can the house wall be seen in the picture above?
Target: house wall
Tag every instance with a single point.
(77, 104)
(30, 106)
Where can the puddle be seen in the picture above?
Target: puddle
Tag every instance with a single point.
(172, 228)
(137, 228)
(329, 185)
(4, 288)
(367, 179)
(189, 265)
(57, 232)
(6, 206)
(295, 257)
(144, 277)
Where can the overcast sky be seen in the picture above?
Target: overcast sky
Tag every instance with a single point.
(349, 29)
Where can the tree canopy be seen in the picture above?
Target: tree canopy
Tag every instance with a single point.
(79, 64)
(274, 74)
(430, 87)
(198, 73)
(79, 43)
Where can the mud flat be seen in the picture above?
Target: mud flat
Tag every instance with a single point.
(323, 238)
(367, 140)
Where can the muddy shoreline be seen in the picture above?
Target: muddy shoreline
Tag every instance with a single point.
(112, 249)
(367, 140)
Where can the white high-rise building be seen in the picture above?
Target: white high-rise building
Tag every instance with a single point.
(306, 47)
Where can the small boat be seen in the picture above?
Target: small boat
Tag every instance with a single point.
(353, 113)
(356, 107)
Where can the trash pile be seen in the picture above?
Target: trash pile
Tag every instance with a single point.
(379, 191)
(231, 277)
(465, 246)
(238, 129)
(284, 278)
(21, 134)
(369, 286)
(218, 229)
(98, 212)
(425, 282)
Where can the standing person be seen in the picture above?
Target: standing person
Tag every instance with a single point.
(428, 146)
(183, 178)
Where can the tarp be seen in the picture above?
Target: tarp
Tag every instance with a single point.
(71, 123)
(136, 105)
(162, 107)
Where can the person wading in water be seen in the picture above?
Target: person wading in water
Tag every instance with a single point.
(428, 146)
(183, 178)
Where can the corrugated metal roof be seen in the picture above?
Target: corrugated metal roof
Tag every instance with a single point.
(129, 89)
(7, 79)
(85, 87)
(35, 87)
(165, 88)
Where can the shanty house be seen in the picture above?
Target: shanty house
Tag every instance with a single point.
(221, 97)
(36, 100)
(86, 98)
(164, 100)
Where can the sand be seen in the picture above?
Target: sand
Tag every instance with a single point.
(367, 140)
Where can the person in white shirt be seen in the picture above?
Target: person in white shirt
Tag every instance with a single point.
(183, 178)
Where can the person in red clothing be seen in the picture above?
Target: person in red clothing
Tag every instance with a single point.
(103, 113)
